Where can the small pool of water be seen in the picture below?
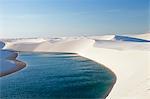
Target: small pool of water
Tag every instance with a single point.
(57, 76)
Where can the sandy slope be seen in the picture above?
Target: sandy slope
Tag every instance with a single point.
(63, 46)
(145, 36)
(121, 45)
(131, 65)
(131, 68)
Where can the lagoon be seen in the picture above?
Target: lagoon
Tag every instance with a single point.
(57, 75)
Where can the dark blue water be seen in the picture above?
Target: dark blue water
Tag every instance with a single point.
(57, 76)
(129, 39)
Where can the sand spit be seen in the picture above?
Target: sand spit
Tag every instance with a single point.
(8, 62)
(14, 65)
(129, 60)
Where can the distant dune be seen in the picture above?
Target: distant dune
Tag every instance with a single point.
(145, 36)
(129, 60)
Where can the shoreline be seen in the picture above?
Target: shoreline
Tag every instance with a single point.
(123, 86)
(108, 69)
(19, 65)
(131, 66)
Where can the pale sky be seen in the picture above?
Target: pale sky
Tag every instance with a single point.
(42, 18)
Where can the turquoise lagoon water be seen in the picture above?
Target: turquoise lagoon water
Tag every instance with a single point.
(57, 76)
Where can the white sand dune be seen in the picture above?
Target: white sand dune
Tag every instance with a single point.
(129, 61)
(103, 37)
(28, 41)
(64, 46)
(145, 36)
(131, 68)
(120, 45)
(72, 46)
(19, 46)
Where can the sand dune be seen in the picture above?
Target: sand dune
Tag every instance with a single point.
(63, 46)
(120, 45)
(145, 36)
(130, 61)
(103, 37)
(28, 41)
(66, 46)
(131, 68)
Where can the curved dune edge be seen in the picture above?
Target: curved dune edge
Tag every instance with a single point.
(130, 66)
(145, 36)
(11, 55)
(19, 65)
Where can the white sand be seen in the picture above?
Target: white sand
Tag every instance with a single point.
(129, 61)
(145, 36)
(131, 68)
